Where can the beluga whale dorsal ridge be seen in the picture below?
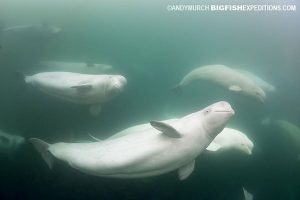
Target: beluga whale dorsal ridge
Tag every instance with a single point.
(165, 147)
(226, 77)
(86, 89)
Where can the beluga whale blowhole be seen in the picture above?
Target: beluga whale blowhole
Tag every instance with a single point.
(166, 147)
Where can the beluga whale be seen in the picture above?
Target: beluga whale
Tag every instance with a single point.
(86, 89)
(163, 148)
(36, 31)
(227, 77)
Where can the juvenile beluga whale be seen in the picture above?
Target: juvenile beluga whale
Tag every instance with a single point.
(92, 90)
(226, 77)
(164, 148)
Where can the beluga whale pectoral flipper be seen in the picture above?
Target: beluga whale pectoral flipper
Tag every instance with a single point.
(226, 77)
(86, 89)
(164, 147)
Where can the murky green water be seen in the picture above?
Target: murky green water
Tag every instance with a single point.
(153, 48)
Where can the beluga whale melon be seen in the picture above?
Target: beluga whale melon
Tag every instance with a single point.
(226, 77)
(163, 148)
(86, 89)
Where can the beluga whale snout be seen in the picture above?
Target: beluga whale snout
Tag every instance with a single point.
(217, 115)
(144, 150)
(223, 106)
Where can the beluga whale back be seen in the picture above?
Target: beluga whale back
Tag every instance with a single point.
(163, 148)
(92, 90)
(226, 77)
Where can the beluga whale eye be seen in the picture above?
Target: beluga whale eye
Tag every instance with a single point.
(208, 110)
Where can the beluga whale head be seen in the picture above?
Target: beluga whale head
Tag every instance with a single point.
(115, 85)
(215, 117)
(258, 93)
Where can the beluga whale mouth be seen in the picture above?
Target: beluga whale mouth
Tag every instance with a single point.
(224, 108)
(225, 111)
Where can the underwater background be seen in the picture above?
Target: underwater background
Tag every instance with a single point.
(153, 48)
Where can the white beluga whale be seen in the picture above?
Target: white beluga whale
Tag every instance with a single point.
(164, 148)
(10, 143)
(226, 77)
(267, 87)
(77, 67)
(91, 90)
(231, 139)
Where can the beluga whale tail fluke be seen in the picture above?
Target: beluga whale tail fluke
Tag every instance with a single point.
(144, 150)
(42, 148)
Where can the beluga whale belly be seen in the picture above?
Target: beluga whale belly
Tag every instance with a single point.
(92, 90)
(226, 77)
(163, 148)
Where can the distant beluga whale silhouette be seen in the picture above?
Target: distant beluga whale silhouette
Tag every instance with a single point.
(163, 148)
(226, 77)
(33, 30)
(91, 90)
